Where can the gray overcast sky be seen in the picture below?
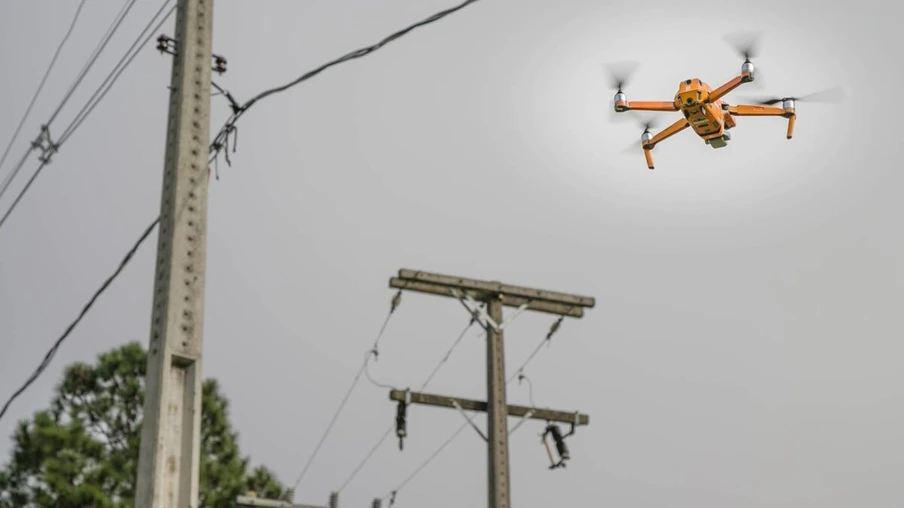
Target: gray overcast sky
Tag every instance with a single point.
(745, 348)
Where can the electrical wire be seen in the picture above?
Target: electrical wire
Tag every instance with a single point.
(385, 435)
(12, 174)
(395, 303)
(367, 357)
(227, 128)
(87, 110)
(391, 496)
(50, 354)
(117, 22)
(40, 88)
(114, 74)
(219, 141)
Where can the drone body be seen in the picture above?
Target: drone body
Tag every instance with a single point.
(705, 111)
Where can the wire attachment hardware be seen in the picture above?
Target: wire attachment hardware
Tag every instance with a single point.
(402, 419)
(45, 145)
(166, 44)
(559, 440)
(396, 301)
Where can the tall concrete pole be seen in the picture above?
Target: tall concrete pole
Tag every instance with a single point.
(169, 456)
(498, 487)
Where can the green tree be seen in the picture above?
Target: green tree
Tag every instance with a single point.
(82, 452)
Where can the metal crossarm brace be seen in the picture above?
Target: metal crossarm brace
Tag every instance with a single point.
(470, 421)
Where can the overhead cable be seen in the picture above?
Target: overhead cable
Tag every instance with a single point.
(50, 354)
(85, 110)
(396, 300)
(229, 127)
(34, 98)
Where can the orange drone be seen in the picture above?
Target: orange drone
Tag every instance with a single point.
(703, 108)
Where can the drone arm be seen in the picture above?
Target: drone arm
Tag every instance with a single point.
(743, 110)
(645, 106)
(729, 87)
(666, 133)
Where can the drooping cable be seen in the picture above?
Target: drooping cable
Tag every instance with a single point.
(228, 127)
(50, 354)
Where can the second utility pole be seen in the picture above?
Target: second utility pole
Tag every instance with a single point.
(169, 454)
(496, 296)
(497, 408)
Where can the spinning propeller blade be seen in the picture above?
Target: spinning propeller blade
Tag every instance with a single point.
(649, 122)
(746, 44)
(832, 95)
(620, 73)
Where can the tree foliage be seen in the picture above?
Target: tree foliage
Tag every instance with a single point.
(82, 452)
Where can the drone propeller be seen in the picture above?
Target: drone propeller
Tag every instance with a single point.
(648, 123)
(829, 96)
(620, 73)
(745, 44)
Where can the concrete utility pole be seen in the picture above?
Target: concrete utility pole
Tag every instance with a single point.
(169, 456)
(495, 295)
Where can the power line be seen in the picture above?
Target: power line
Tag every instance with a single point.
(395, 303)
(392, 494)
(34, 98)
(86, 110)
(382, 439)
(117, 70)
(220, 140)
(228, 127)
(12, 174)
(117, 22)
(50, 354)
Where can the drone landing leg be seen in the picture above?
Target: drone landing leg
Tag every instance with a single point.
(666, 133)
(791, 125)
(649, 157)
